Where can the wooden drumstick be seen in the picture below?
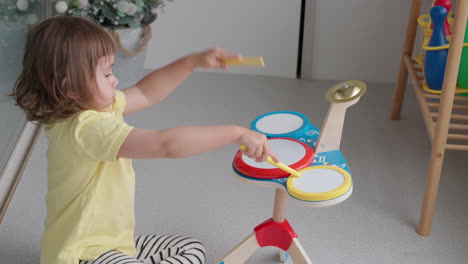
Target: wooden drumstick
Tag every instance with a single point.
(246, 61)
(279, 165)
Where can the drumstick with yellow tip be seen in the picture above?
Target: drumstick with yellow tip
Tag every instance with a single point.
(280, 165)
(246, 61)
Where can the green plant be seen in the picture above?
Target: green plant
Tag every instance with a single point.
(113, 13)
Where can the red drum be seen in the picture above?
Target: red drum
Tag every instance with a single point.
(291, 152)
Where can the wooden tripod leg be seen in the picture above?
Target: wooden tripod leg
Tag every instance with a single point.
(242, 251)
(443, 121)
(298, 254)
(400, 87)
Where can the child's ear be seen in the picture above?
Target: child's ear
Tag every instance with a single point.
(64, 82)
(72, 95)
(69, 93)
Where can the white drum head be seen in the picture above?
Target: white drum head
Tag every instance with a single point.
(281, 123)
(319, 183)
(291, 152)
(288, 151)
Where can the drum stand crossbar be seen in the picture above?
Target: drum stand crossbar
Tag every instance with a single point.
(276, 232)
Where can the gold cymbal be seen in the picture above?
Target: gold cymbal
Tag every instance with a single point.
(346, 91)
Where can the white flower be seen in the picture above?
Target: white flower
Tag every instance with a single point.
(61, 7)
(132, 8)
(22, 5)
(32, 19)
(84, 3)
(123, 6)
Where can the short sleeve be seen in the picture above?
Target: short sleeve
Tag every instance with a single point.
(99, 135)
(120, 102)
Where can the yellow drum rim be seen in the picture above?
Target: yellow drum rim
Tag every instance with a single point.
(323, 196)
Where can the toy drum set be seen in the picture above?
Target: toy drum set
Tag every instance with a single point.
(322, 177)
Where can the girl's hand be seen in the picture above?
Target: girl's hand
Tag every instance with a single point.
(214, 58)
(257, 144)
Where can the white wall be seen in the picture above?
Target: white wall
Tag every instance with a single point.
(268, 28)
(344, 39)
(354, 39)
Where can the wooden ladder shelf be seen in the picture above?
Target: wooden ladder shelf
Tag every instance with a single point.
(445, 115)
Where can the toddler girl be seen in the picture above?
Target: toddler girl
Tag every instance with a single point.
(67, 84)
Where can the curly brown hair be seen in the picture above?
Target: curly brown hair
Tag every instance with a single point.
(59, 68)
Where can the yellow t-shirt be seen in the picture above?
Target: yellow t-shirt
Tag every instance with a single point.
(90, 198)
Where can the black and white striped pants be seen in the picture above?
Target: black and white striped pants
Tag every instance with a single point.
(157, 249)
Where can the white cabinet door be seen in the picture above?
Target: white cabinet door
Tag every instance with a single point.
(359, 39)
(268, 28)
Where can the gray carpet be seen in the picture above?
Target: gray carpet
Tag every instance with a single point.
(199, 196)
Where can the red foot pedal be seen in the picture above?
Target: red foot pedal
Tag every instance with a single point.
(270, 233)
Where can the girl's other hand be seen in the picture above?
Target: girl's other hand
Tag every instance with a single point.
(214, 58)
(257, 144)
